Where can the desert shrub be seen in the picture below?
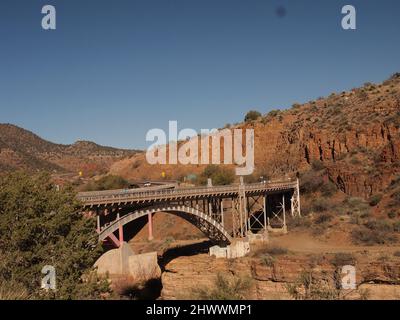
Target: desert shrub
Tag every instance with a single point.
(276, 251)
(392, 214)
(298, 222)
(252, 115)
(127, 287)
(395, 76)
(219, 175)
(328, 189)
(375, 199)
(323, 218)
(394, 199)
(224, 288)
(341, 259)
(109, 182)
(255, 177)
(355, 161)
(380, 225)
(354, 206)
(316, 259)
(136, 164)
(296, 105)
(395, 182)
(270, 250)
(311, 181)
(310, 287)
(366, 236)
(273, 113)
(320, 205)
(268, 260)
(317, 165)
(396, 226)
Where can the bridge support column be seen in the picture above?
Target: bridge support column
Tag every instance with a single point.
(120, 232)
(98, 222)
(222, 213)
(284, 211)
(265, 212)
(150, 224)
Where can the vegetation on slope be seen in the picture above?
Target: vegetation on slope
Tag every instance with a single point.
(41, 226)
(218, 174)
(109, 182)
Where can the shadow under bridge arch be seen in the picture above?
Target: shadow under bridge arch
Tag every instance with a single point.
(204, 222)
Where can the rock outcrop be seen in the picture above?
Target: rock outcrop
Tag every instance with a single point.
(184, 275)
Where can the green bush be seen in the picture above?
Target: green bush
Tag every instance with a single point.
(296, 105)
(380, 225)
(311, 181)
(218, 174)
(320, 205)
(109, 182)
(271, 250)
(365, 236)
(323, 218)
(396, 226)
(375, 199)
(317, 165)
(341, 259)
(273, 113)
(328, 189)
(252, 115)
(310, 287)
(224, 288)
(42, 226)
(392, 214)
(268, 260)
(355, 206)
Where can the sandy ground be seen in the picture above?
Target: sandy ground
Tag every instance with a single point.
(302, 242)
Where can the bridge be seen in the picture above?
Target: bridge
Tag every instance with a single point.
(222, 213)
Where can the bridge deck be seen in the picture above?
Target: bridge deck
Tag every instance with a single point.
(112, 197)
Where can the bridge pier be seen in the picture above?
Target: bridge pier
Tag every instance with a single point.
(150, 224)
(120, 232)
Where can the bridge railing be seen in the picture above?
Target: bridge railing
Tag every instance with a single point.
(105, 193)
(89, 198)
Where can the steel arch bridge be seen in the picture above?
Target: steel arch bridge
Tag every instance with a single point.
(222, 213)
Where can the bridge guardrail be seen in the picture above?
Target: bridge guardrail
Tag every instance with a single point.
(122, 196)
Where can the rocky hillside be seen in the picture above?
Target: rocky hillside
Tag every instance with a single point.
(271, 277)
(21, 149)
(353, 135)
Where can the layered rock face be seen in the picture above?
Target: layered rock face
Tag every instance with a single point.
(355, 135)
(184, 275)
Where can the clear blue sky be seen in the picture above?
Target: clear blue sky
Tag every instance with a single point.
(115, 69)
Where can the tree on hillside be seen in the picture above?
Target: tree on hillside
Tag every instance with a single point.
(252, 115)
(219, 175)
(40, 226)
(108, 182)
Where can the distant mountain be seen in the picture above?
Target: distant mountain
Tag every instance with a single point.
(22, 149)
